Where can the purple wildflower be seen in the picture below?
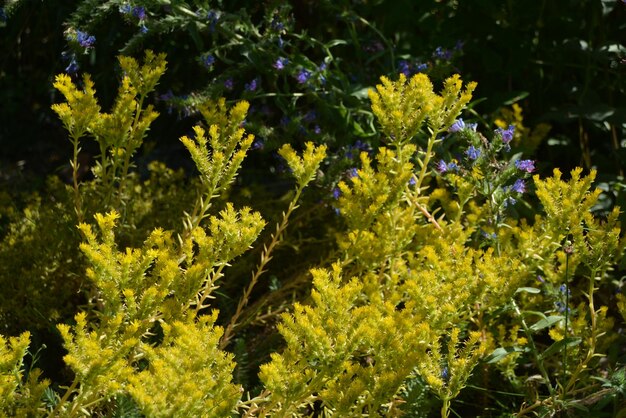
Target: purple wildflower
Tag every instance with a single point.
(126, 9)
(207, 60)
(336, 192)
(525, 165)
(252, 86)
(473, 153)
(457, 126)
(404, 67)
(506, 134)
(143, 28)
(443, 54)
(353, 172)
(509, 201)
(442, 167)
(212, 16)
(421, 67)
(317, 129)
(229, 84)
(303, 76)
(72, 67)
(412, 181)
(84, 39)
(310, 116)
(281, 63)
(519, 186)
(541, 279)
(139, 12)
(166, 96)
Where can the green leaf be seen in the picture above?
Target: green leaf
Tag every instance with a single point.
(501, 352)
(559, 345)
(528, 290)
(546, 322)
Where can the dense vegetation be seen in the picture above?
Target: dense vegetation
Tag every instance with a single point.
(303, 208)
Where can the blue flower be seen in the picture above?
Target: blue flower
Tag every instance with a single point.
(84, 39)
(353, 172)
(303, 76)
(506, 134)
(412, 181)
(443, 54)
(208, 60)
(281, 63)
(252, 86)
(519, 186)
(229, 84)
(457, 126)
(317, 129)
(509, 201)
(212, 17)
(143, 28)
(310, 116)
(560, 306)
(72, 67)
(404, 67)
(525, 165)
(473, 153)
(336, 192)
(442, 167)
(139, 12)
(421, 67)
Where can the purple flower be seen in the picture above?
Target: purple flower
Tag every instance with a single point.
(443, 54)
(509, 201)
(84, 39)
(143, 28)
(72, 67)
(317, 129)
(166, 96)
(258, 144)
(336, 192)
(442, 167)
(473, 153)
(252, 86)
(421, 67)
(412, 181)
(139, 12)
(506, 134)
(541, 279)
(525, 165)
(281, 63)
(457, 126)
(404, 67)
(126, 9)
(519, 186)
(207, 60)
(353, 172)
(229, 84)
(212, 16)
(277, 25)
(303, 76)
(310, 116)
